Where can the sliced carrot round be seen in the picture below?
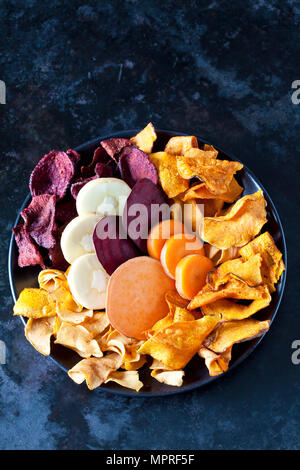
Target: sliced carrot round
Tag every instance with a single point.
(191, 272)
(160, 233)
(136, 296)
(176, 248)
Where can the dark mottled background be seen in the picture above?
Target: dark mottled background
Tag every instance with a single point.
(220, 69)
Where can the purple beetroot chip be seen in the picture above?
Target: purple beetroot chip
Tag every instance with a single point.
(65, 211)
(111, 243)
(114, 146)
(105, 170)
(145, 207)
(99, 156)
(55, 254)
(53, 174)
(79, 183)
(134, 165)
(39, 219)
(29, 254)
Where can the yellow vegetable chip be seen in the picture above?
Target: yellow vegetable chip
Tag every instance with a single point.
(135, 365)
(144, 139)
(38, 332)
(238, 225)
(169, 377)
(35, 303)
(127, 379)
(228, 333)
(200, 191)
(95, 370)
(166, 166)
(174, 300)
(55, 282)
(50, 279)
(180, 144)
(216, 363)
(230, 310)
(79, 339)
(234, 289)
(272, 265)
(176, 344)
(216, 174)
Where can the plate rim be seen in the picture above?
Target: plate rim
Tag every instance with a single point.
(197, 384)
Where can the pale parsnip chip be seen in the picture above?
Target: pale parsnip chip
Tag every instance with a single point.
(216, 363)
(95, 370)
(38, 332)
(79, 339)
(180, 144)
(35, 303)
(135, 365)
(238, 225)
(176, 344)
(236, 331)
(272, 266)
(127, 379)
(144, 140)
(218, 256)
(216, 174)
(126, 347)
(166, 166)
(97, 324)
(234, 311)
(169, 377)
(69, 316)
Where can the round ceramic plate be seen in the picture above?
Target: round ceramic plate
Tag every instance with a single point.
(196, 374)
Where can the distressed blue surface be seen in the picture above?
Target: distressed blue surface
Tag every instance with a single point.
(219, 69)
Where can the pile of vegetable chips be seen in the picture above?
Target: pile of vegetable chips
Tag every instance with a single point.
(245, 262)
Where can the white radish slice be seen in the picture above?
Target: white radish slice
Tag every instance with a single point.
(88, 281)
(77, 237)
(104, 196)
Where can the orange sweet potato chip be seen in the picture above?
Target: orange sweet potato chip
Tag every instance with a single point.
(35, 303)
(180, 144)
(248, 271)
(38, 332)
(230, 310)
(234, 289)
(216, 174)
(216, 363)
(240, 223)
(166, 166)
(272, 264)
(176, 344)
(144, 140)
(228, 333)
(95, 370)
(201, 191)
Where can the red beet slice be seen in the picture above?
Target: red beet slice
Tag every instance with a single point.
(114, 146)
(29, 254)
(100, 156)
(146, 206)
(55, 254)
(135, 165)
(53, 174)
(104, 170)
(111, 243)
(39, 219)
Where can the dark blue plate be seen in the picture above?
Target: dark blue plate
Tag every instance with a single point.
(196, 374)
